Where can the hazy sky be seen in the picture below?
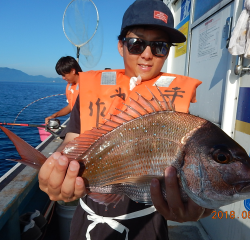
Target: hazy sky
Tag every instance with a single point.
(32, 38)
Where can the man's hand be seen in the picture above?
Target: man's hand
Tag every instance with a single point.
(47, 119)
(174, 209)
(59, 179)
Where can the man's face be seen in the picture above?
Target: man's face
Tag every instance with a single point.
(71, 77)
(145, 64)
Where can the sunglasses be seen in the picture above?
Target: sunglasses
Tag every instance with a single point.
(137, 46)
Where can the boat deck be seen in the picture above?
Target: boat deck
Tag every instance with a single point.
(186, 231)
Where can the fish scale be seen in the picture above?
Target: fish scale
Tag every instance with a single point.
(148, 134)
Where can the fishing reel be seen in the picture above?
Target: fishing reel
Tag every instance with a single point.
(53, 124)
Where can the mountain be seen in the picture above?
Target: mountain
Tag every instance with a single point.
(14, 75)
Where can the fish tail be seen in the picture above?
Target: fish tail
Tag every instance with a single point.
(29, 155)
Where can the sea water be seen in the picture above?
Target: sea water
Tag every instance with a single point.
(14, 96)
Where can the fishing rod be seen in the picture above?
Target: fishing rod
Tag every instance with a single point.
(55, 95)
(52, 124)
(22, 124)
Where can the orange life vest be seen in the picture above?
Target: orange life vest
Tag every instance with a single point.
(103, 91)
(72, 93)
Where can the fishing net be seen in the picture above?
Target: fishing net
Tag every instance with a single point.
(82, 28)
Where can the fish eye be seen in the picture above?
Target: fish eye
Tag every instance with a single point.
(221, 156)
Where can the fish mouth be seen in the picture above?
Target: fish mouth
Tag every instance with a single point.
(243, 187)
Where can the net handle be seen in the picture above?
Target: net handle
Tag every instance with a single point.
(97, 15)
(77, 54)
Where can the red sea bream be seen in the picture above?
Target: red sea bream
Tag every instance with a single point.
(123, 155)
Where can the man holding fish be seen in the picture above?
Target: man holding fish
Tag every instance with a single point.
(147, 34)
(118, 165)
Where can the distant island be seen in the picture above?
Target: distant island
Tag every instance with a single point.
(14, 75)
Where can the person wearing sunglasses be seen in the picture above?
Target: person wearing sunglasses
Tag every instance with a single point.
(147, 34)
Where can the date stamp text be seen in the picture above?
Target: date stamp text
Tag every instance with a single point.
(231, 215)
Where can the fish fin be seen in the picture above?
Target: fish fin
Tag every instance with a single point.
(135, 180)
(29, 155)
(143, 106)
(156, 102)
(167, 105)
(27, 163)
(75, 149)
(106, 198)
(140, 107)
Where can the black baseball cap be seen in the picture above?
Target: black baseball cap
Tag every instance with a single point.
(153, 13)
